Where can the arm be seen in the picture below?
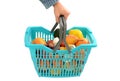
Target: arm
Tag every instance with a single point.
(59, 9)
(48, 3)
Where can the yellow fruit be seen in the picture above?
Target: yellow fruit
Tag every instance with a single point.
(55, 72)
(74, 62)
(62, 48)
(52, 71)
(39, 41)
(65, 48)
(68, 64)
(76, 32)
(58, 71)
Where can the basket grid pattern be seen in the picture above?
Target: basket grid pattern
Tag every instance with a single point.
(61, 63)
(50, 64)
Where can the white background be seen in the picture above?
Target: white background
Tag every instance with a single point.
(101, 16)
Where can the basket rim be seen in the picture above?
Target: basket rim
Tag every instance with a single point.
(29, 44)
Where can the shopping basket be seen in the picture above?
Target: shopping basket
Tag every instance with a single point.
(60, 63)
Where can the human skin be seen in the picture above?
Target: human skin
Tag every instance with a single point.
(59, 9)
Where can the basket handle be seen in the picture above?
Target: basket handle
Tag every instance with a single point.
(62, 33)
(27, 34)
(94, 43)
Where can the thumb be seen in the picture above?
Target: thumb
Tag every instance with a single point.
(66, 16)
(57, 19)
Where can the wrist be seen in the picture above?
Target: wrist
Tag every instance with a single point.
(57, 3)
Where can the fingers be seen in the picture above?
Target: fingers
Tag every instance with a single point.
(66, 15)
(57, 18)
(59, 9)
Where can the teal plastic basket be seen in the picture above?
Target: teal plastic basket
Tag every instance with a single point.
(48, 63)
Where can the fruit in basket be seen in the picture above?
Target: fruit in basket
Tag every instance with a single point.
(48, 63)
(50, 44)
(56, 32)
(71, 39)
(62, 48)
(76, 54)
(67, 64)
(39, 41)
(81, 62)
(65, 48)
(56, 56)
(74, 63)
(50, 55)
(58, 71)
(52, 71)
(41, 63)
(55, 72)
(82, 52)
(62, 44)
(71, 46)
(76, 32)
(55, 40)
(61, 63)
(82, 41)
(54, 63)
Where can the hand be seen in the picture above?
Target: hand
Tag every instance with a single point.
(59, 9)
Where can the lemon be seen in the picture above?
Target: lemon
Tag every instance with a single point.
(55, 72)
(59, 71)
(52, 71)
(76, 32)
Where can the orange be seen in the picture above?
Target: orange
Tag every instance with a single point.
(71, 39)
(54, 63)
(39, 41)
(82, 41)
(48, 63)
(61, 63)
(56, 56)
(41, 63)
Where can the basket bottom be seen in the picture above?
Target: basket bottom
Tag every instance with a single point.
(59, 73)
